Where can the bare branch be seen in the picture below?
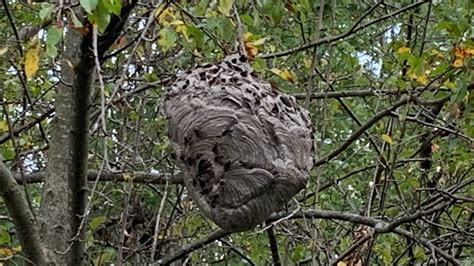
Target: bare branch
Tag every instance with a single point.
(181, 253)
(351, 31)
(23, 219)
(361, 131)
(379, 226)
(273, 245)
(138, 177)
(5, 137)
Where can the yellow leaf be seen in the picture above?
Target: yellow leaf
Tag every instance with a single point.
(166, 17)
(437, 53)
(459, 62)
(459, 51)
(449, 84)
(251, 46)
(463, 52)
(260, 41)
(184, 30)
(3, 126)
(387, 139)
(341, 263)
(251, 50)
(307, 62)
(127, 176)
(275, 71)
(469, 51)
(6, 252)
(422, 79)
(247, 36)
(3, 50)
(31, 61)
(434, 147)
(284, 74)
(403, 50)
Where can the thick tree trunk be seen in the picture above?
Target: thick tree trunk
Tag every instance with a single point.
(64, 192)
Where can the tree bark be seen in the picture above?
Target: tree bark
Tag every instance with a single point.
(64, 191)
(25, 223)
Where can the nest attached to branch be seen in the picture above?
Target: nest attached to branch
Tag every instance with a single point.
(244, 146)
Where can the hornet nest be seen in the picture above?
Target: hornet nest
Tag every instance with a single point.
(245, 147)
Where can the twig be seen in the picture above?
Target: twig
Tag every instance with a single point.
(12, 23)
(343, 35)
(101, 82)
(238, 252)
(240, 35)
(273, 246)
(193, 246)
(348, 251)
(5, 137)
(158, 219)
(353, 93)
(361, 131)
(314, 57)
(129, 190)
(150, 20)
(378, 225)
(423, 38)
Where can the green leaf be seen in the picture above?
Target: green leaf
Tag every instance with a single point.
(451, 27)
(96, 222)
(4, 236)
(225, 6)
(46, 9)
(223, 26)
(413, 182)
(54, 36)
(276, 13)
(419, 253)
(77, 23)
(100, 17)
(88, 5)
(166, 38)
(197, 36)
(113, 6)
(8, 154)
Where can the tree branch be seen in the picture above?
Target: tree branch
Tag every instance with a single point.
(343, 35)
(361, 131)
(137, 177)
(5, 137)
(380, 226)
(181, 253)
(23, 219)
(273, 245)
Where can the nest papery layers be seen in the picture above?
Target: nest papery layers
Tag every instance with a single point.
(245, 147)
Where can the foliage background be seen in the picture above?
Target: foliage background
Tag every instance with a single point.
(389, 87)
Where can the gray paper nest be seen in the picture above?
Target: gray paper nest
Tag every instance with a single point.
(244, 146)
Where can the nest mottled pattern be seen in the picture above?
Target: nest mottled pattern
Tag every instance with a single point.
(245, 147)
